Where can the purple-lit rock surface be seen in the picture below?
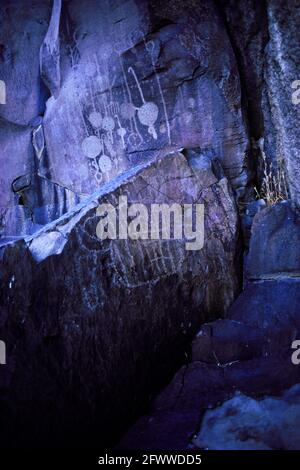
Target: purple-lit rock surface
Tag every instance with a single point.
(91, 325)
(95, 88)
(176, 101)
(243, 423)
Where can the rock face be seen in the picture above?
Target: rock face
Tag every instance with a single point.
(88, 324)
(252, 208)
(173, 102)
(111, 83)
(35, 200)
(108, 83)
(144, 77)
(22, 30)
(240, 353)
(263, 35)
(246, 424)
(50, 52)
(249, 351)
(275, 243)
(281, 71)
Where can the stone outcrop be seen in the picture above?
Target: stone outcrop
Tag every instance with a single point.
(90, 324)
(249, 351)
(275, 243)
(281, 71)
(264, 37)
(162, 102)
(110, 85)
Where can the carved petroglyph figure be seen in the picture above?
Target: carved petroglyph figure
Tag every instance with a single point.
(91, 146)
(2, 92)
(148, 112)
(2, 353)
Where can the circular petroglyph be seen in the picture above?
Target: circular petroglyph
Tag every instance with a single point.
(187, 117)
(91, 146)
(95, 119)
(104, 164)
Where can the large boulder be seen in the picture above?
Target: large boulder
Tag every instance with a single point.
(263, 321)
(91, 325)
(275, 243)
(22, 29)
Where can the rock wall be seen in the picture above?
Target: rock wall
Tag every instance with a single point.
(95, 88)
(281, 71)
(176, 101)
(243, 423)
(92, 325)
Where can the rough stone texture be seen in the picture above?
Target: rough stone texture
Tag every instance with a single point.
(50, 53)
(281, 70)
(247, 25)
(15, 140)
(243, 423)
(126, 79)
(224, 341)
(264, 37)
(24, 209)
(263, 320)
(98, 93)
(91, 325)
(157, 79)
(271, 305)
(251, 209)
(250, 352)
(275, 243)
(176, 415)
(184, 79)
(23, 27)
